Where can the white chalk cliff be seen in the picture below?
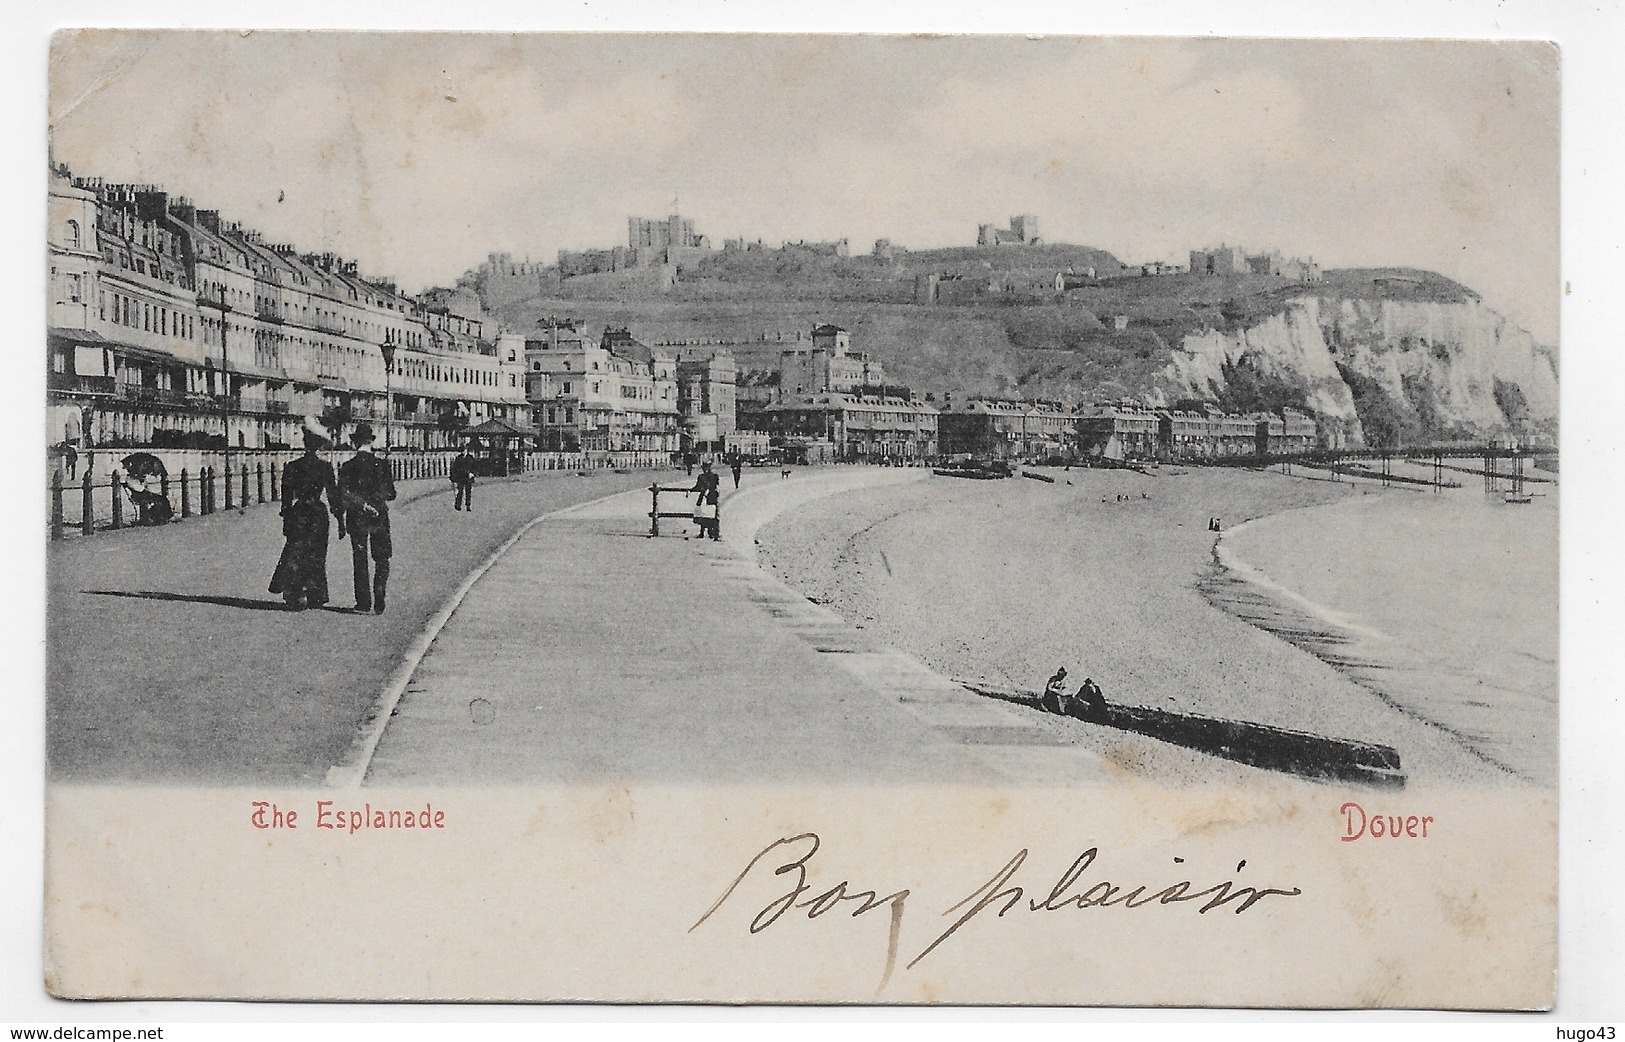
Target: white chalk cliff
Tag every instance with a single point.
(1443, 358)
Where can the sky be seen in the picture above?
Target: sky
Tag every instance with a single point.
(419, 153)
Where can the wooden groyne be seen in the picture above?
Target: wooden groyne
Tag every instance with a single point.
(1264, 746)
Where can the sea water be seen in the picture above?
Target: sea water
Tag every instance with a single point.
(1444, 603)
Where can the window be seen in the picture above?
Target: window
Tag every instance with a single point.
(566, 391)
(70, 235)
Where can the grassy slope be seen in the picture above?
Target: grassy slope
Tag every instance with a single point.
(1025, 341)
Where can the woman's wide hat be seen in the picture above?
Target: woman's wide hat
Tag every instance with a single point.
(314, 426)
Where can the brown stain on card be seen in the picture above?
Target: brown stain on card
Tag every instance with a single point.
(615, 816)
(1466, 913)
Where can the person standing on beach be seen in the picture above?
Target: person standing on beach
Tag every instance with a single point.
(365, 489)
(462, 478)
(301, 571)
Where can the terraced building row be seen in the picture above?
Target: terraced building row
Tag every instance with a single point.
(171, 326)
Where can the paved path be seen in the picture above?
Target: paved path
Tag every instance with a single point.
(591, 653)
(168, 661)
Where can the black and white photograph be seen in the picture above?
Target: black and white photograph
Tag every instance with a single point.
(883, 519)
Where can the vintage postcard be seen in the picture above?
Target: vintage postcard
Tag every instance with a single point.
(802, 519)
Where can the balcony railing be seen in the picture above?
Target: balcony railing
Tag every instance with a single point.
(258, 403)
(81, 384)
(214, 298)
(160, 395)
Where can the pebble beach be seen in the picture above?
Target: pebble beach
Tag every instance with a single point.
(1111, 574)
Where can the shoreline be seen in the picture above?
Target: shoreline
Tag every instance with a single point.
(1498, 708)
(1111, 589)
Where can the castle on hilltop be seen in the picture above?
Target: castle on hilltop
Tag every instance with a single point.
(1233, 260)
(651, 242)
(1023, 231)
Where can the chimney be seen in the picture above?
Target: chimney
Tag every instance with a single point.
(151, 205)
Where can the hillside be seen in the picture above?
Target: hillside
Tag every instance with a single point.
(1409, 354)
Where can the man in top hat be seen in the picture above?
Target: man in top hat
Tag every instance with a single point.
(365, 489)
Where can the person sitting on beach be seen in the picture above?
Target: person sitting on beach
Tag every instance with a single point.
(1054, 698)
(1094, 702)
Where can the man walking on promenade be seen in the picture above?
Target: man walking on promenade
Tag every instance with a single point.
(462, 476)
(734, 464)
(365, 489)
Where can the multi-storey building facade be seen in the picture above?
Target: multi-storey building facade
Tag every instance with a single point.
(1292, 431)
(613, 395)
(706, 400)
(1205, 433)
(1003, 429)
(861, 427)
(171, 326)
(1117, 431)
(1129, 431)
(827, 363)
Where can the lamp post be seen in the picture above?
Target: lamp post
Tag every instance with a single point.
(389, 396)
(225, 398)
(225, 411)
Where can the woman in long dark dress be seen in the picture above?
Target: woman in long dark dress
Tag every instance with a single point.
(308, 489)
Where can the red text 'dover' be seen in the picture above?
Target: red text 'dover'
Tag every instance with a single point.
(1358, 823)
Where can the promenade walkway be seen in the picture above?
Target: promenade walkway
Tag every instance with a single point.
(590, 653)
(167, 660)
(586, 652)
